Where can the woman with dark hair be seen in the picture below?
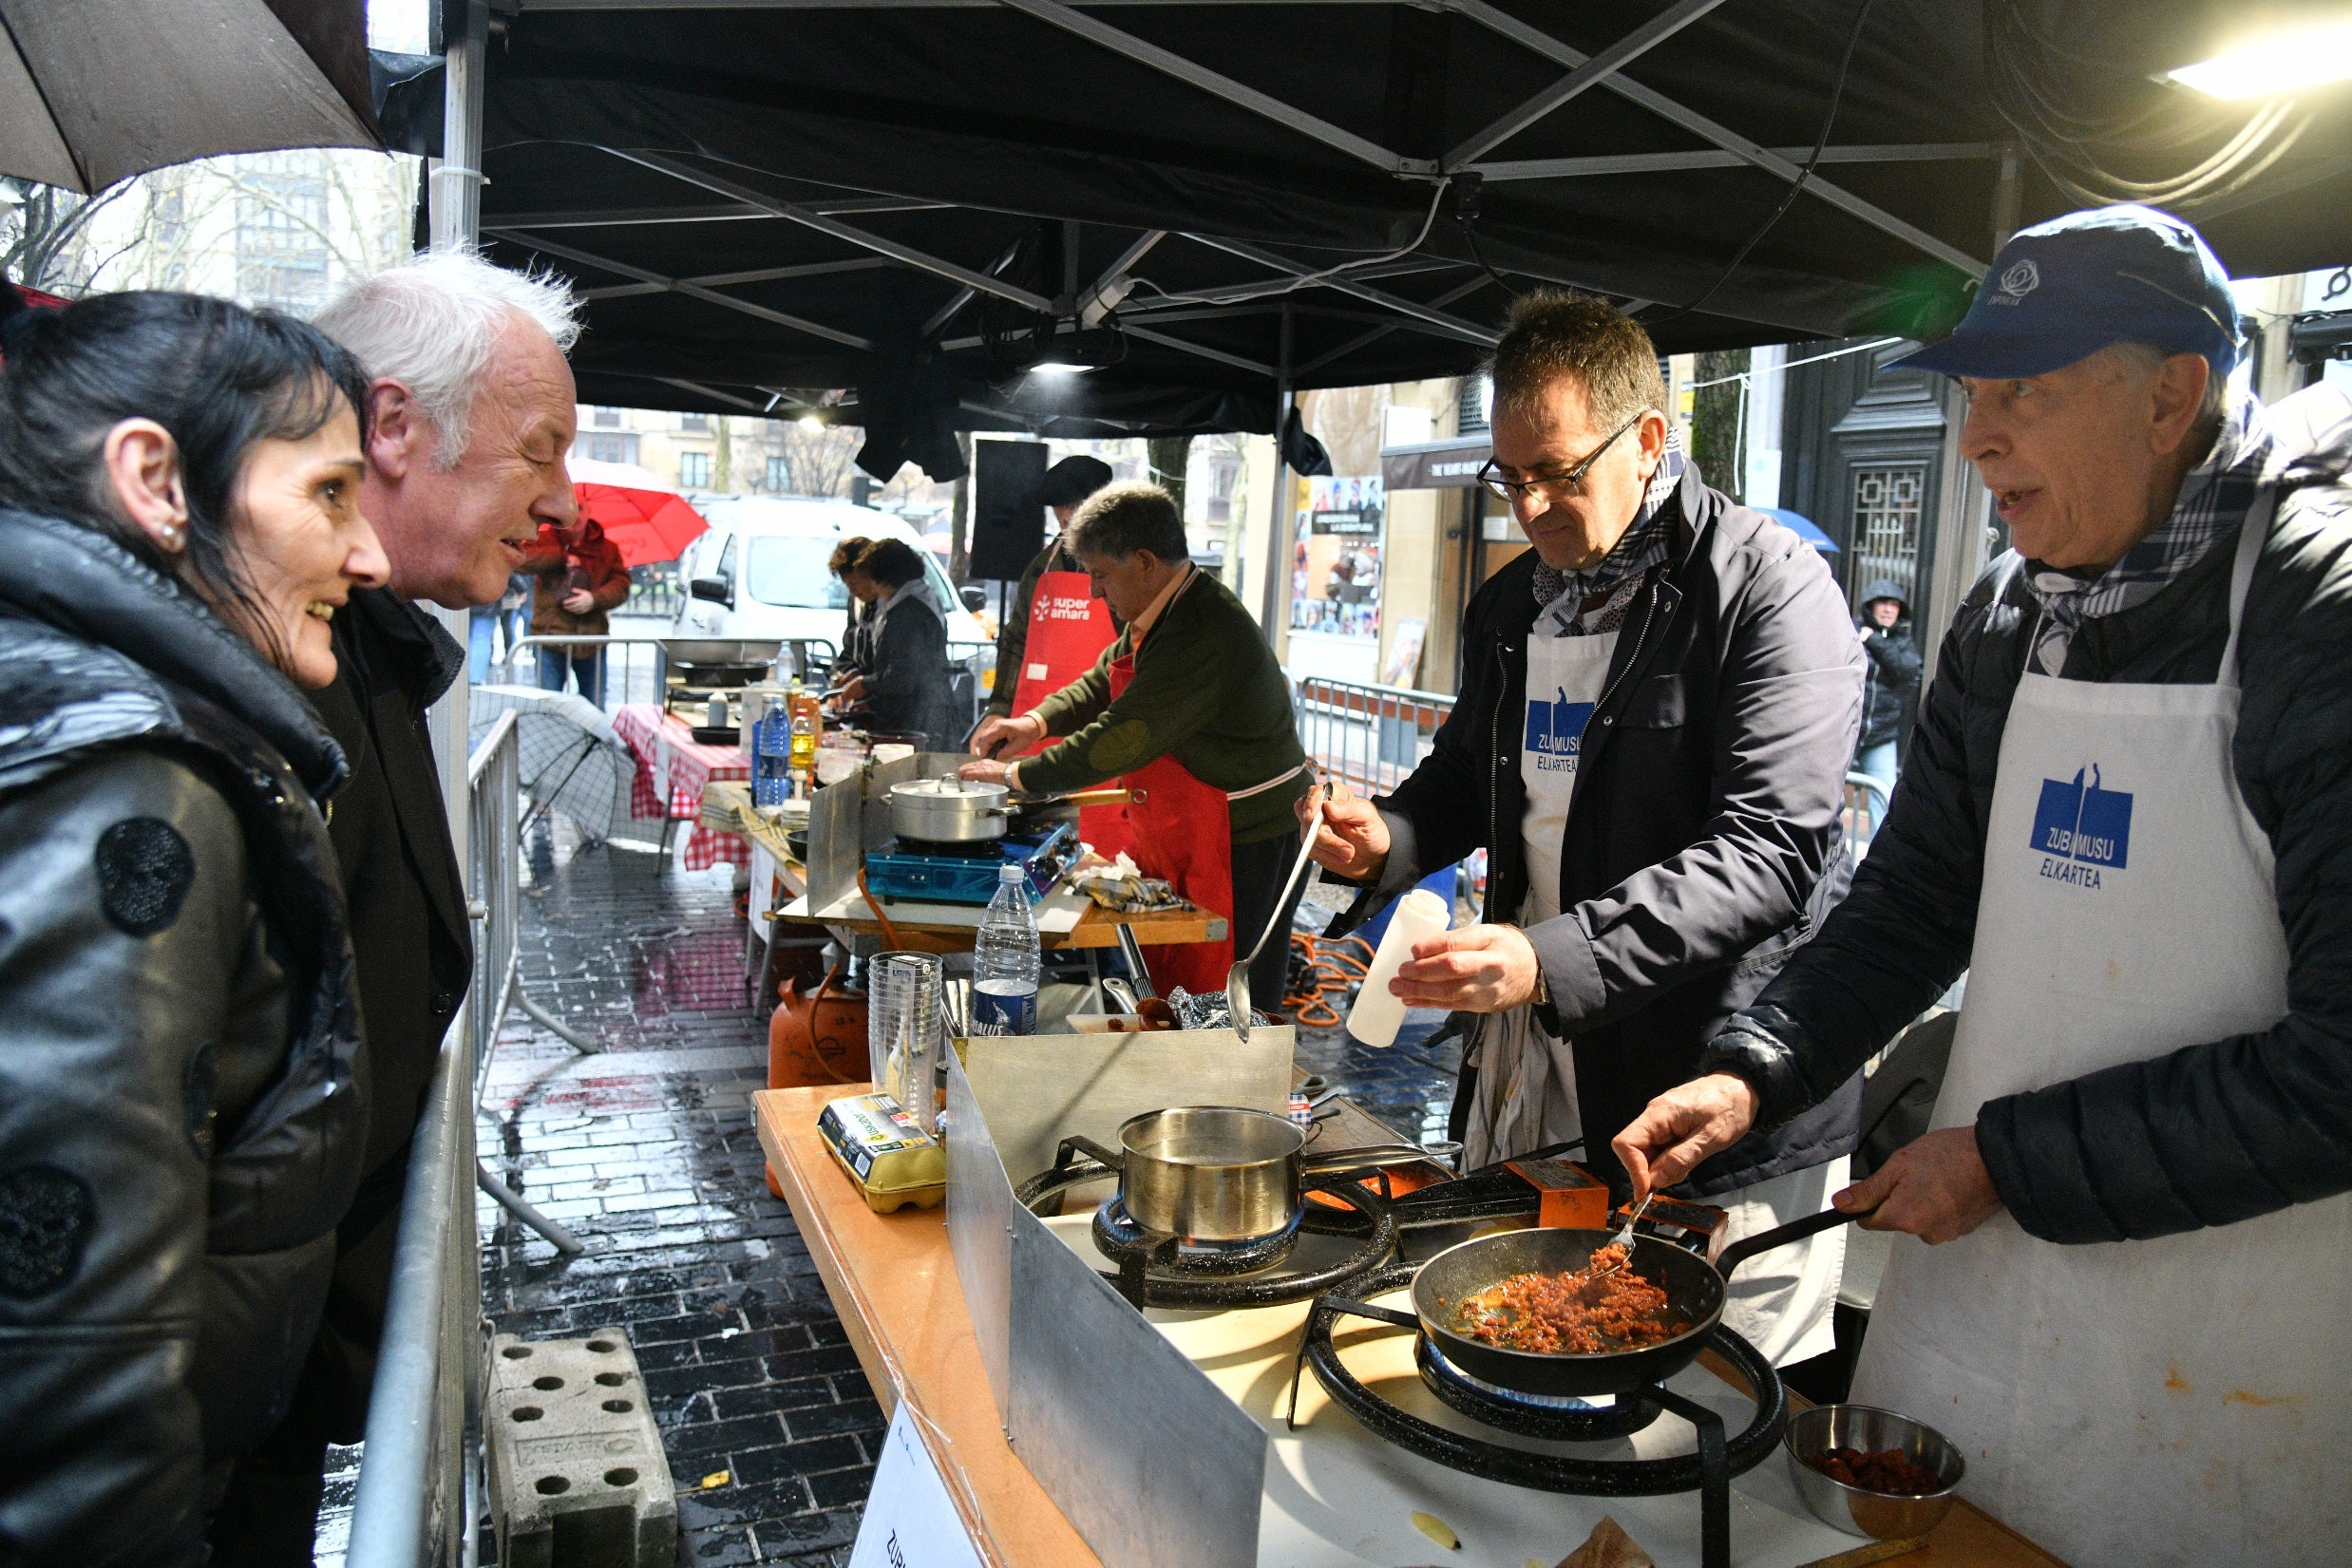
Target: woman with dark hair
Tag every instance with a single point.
(905, 685)
(182, 1117)
(858, 627)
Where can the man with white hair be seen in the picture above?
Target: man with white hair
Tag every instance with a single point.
(470, 414)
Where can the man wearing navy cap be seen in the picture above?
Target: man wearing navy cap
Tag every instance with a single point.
(2127, 815)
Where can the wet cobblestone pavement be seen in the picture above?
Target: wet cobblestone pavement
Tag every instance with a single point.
(647, 1153)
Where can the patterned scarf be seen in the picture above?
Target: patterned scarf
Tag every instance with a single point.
(1617, 574)
(2215, 499)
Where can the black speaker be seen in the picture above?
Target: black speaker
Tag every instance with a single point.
(1008, 517)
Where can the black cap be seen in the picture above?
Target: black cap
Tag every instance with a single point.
(1072, 479)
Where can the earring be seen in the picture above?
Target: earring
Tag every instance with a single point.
(169, 535)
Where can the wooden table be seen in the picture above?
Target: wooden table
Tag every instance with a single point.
(893, 1280)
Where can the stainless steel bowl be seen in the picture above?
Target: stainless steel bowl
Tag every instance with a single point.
(1884, 1517)
(714, 652)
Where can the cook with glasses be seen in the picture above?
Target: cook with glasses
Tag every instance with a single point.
(1658, 705)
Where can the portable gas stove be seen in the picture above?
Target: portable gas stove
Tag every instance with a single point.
(1347, 1227)
(966, 873)
(1525, 1188)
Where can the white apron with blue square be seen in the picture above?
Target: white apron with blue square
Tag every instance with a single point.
(2185, 1400)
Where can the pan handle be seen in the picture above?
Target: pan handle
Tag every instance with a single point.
(1361, 1159)
(1066, 1158)
(1764, 1241)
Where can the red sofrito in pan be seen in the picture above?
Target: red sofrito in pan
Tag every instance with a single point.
(1573, 1313)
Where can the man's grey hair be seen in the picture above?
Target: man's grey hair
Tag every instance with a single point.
(432, 324)
(1119, 520)
(2146, 359)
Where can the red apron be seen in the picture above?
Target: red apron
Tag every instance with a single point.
(1068, 627)
(1181, 831)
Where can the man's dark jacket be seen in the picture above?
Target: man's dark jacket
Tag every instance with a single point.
(1703, 844)
(409, 931)
(2208, 1134)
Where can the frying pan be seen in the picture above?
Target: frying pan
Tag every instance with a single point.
(1694, 1288)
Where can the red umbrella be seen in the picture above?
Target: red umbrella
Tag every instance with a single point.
(647, 520)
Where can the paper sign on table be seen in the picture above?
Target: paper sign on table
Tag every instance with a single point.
(910, 1520)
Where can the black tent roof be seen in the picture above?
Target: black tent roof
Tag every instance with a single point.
(769, 197)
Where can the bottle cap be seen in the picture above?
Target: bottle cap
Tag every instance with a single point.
(1009, 873)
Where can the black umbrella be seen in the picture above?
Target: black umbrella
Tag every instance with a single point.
(95, 91)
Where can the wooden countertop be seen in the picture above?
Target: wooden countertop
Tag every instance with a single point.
(892, 1277)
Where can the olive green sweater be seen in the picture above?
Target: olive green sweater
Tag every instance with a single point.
(1206, 692)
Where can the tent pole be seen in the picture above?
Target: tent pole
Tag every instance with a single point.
(456, 224)
(457, 176)
(1274, 592)
(2008, 192)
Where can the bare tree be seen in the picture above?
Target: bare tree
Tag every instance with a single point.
(42, 235)
(819, 460)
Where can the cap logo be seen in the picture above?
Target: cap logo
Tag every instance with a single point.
(2022, 278)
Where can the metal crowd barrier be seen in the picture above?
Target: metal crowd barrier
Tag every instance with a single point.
(635, 673)
(1371, 736)
(419, 1500)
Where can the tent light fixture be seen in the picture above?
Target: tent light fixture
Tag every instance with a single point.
(2273, 64)
(811, 424)
(1058, 368)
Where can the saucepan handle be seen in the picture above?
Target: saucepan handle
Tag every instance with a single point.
(1065, 1157)
(1361, 1159)
(1764, 1241)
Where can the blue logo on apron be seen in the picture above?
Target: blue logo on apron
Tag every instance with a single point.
(1556, 729)
(2082, 828)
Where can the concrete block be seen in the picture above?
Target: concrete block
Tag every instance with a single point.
(576, 1477)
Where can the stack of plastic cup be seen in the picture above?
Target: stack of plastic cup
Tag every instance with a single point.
(903, 1026)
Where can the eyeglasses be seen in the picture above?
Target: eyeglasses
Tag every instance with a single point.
(1551, 484)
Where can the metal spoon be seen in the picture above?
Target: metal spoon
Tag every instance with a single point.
(1237, 979)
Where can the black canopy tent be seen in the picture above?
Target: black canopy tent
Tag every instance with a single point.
(913, 198)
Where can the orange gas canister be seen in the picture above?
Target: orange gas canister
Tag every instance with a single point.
(815, 1037)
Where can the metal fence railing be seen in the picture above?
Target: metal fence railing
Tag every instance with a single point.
(1371, 736)
(419, 1496)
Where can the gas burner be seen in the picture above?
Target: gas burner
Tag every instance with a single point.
(969, 849)
(1158, 1270)
(1118, 1233)
(1708, 1471)
(1561, 1417)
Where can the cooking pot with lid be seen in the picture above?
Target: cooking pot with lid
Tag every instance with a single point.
(949, 810)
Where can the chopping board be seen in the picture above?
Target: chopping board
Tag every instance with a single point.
(1339, 1496)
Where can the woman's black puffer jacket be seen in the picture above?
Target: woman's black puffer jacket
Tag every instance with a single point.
(181, 1118)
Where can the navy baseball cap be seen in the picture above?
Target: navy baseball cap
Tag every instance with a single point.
(2061, 291)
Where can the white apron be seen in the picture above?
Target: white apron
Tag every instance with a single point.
(2180, 1401)
(1525, 1093)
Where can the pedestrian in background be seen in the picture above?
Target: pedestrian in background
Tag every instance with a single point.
(183, 1111)
(577, 578)
(1890, 685)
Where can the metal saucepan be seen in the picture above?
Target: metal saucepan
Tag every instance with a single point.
(1695, 1289)
(1220, 1173)
(950, 810)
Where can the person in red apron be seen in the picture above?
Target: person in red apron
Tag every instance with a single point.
(1188, 708)
(2136, 1195)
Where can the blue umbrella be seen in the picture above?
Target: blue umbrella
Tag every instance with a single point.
(1803, 527)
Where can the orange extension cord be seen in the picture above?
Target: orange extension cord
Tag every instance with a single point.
(1320, 975)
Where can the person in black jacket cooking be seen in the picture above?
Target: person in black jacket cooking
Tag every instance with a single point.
(2127, 813)
(1657, 705)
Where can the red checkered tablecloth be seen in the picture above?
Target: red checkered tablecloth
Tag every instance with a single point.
(671, 768)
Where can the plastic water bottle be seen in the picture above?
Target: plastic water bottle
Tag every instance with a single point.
(1004, 971)
(771, 756)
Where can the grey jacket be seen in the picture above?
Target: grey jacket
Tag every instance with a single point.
(2206, 1135)
(182, 1102)
(1704, 842)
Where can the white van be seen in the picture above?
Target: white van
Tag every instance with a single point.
(760, 571)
